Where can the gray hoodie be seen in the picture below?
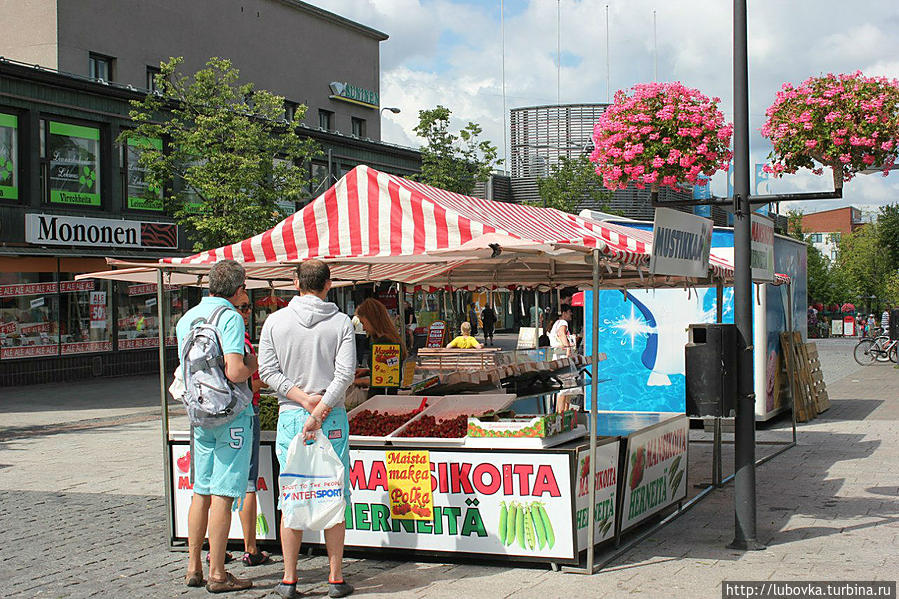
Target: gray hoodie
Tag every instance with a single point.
(309, 344)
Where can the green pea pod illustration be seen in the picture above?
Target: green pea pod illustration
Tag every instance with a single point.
(529, 534)
(550, 535)
(606, 527)
(538, 525)
(519, 526)
(675, 464)
(261, 524)
(677, 480)
(511, 523)
(503, 520)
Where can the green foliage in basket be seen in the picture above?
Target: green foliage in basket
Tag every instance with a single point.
(268, 412)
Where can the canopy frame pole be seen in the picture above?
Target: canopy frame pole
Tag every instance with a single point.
(401, 310)
(163, 400)
(594, 414)
(717, 449)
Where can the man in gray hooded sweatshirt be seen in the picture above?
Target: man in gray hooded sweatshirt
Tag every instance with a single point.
(307, 354)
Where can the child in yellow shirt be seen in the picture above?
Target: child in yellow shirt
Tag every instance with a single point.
(465, 340)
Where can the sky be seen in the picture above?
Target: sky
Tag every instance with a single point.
(450, 52)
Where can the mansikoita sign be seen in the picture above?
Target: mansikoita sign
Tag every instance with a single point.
(50, 229)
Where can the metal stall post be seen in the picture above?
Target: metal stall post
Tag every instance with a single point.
(716, 447)
(163, 400)
(401, 310)
(790, 329)
(594, 414)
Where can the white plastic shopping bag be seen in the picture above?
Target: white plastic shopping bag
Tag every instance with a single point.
(312, 485)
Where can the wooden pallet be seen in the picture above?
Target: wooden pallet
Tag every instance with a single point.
(801, 387)
(822, 401)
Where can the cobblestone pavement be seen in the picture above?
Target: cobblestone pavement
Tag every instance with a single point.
(81, 514)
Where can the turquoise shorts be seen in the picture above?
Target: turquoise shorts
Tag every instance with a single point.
(221, 457)
(335, 427)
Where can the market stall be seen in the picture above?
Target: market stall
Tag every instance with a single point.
(373, 226)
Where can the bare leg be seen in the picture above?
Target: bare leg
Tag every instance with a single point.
(219, 523)
(197, 518)
(248, 523)
(334, 538)
(290, 546)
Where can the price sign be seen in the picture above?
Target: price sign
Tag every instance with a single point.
(409, 485)
(436, 334)
(385, 365)
(98, 309)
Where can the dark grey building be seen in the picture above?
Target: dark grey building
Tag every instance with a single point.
(306, 54)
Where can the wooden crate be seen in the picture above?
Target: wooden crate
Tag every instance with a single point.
(822, 401)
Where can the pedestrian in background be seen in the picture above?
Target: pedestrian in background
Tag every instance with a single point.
(220, 456)
(307, 354)
(488, 319)
(252, 555)
(465, 340)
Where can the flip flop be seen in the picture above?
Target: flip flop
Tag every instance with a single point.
(256, 559)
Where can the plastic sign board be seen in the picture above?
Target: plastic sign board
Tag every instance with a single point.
(656, 469)
(385, 365)
(606, 483)
(681, 244)
(409, 484)
(762, 252)
(347, 92)
(436, 334)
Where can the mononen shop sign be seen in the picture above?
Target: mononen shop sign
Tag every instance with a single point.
(49, 229)
(347, 92)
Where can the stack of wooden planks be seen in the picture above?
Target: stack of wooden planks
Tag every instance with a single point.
(806, 379)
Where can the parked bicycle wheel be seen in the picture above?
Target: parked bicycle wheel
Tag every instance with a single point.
(880, 352)
(894, 354)
(863, 354)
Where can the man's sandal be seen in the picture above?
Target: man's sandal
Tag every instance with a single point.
(228, 557)
(255, 559)
(231, 583)
(194, 579)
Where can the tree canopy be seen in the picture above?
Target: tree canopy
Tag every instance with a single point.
(450, 161)
(571, 182)
(230, 165)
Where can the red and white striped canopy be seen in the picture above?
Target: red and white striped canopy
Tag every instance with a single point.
(369, 214)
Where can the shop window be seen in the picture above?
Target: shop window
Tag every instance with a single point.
(193, 201)
(137, 320)
(85, 322)
(9, 157)
(141, 194)
(326, 120)
(73, 154)
(358, 127)
(29, 315)
(318, 180)
(100, 67)
(290, 110)
(151, 78)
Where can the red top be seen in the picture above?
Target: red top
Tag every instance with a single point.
(248, 345)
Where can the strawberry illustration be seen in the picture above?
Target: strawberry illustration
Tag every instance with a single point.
(638, 460)
(184, 463)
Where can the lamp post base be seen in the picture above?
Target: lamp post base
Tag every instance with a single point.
(744, 545)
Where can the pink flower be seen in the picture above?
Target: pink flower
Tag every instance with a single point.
(811, 143)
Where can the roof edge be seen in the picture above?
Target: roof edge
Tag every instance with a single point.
(335, 18)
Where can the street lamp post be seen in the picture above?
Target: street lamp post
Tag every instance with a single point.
(392, 109)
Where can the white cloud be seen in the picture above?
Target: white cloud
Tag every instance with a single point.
(449, 52)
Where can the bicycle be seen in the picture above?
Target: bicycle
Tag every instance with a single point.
(879, 349)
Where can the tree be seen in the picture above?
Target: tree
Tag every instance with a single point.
(228, 145)
(888, 234)
(862, 263)
(449, 161)
(573, 181)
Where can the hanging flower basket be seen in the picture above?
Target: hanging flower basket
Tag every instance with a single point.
(848, 123)
(660, 134)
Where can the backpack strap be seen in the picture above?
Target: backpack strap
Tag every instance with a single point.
(206, 364)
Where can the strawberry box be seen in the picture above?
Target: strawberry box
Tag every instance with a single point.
(525, 426)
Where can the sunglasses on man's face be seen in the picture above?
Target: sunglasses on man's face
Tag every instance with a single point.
(244, 307)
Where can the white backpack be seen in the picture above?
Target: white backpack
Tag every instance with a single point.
(210, 398)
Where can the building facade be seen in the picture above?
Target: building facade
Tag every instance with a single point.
(308, 55)
(826, 228)
(70, 196)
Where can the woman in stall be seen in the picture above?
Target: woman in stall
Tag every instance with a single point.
(380, 329)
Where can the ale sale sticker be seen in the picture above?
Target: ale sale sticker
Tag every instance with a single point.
(409, 484)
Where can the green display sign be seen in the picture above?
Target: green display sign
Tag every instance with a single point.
(142, 195)
(354, 94)
(9, 157)
(74, 153)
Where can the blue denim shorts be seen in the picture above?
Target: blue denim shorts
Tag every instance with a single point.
(254, 457)
(336, 428)
(221, 457)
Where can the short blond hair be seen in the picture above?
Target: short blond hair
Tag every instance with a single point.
(466, 328)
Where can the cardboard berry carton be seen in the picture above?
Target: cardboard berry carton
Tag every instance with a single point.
(524, 426)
